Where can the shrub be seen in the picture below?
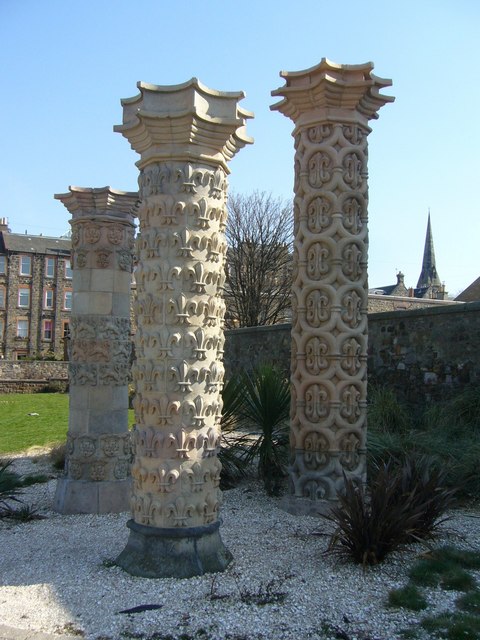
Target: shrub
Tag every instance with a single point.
(55, 386)
(446, 567)
(402, 504)
(10, 483)
(385, 412)
(255, 417)
(447, 432)
(57, 455)
(408, 597)
(255, 427)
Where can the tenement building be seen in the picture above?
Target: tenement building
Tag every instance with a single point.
(35, 295)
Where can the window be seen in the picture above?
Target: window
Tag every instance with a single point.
(68, 269)
(47, 329)
(3, 265)
(25, 265)
(66, 329)
(22, 328)
(49, 267)
(23, 296)
(2, 328)
(2, 297)
(48, 299)
(67, 300)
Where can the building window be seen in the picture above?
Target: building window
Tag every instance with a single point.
(67, 300)
(47, 329)
(2, 328)
(49, 267)
(2, 297)
(68, 269)
(48, 299)
(24, 297)
(25, 265)
(66, 329)
(3, 265)
(22, 328)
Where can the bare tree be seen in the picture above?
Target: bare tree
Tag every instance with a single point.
(259, 260)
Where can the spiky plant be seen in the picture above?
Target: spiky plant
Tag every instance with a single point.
(264, 412)
(401, 504)
(10, 483)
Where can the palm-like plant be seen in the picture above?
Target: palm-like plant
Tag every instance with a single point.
(258, 405)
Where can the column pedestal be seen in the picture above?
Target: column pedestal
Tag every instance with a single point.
(153, 552)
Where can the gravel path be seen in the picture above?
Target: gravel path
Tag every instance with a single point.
(57, 576)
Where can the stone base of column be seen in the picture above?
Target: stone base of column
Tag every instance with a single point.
(152, 552)
(83, 496)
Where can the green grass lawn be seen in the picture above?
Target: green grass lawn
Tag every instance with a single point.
(20, 431)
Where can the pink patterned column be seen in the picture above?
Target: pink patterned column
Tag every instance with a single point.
(330, 105)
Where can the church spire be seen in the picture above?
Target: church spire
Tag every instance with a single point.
(428, 276)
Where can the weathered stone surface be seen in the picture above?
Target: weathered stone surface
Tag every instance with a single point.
(182, 553)
(330, 105)
(98, 443)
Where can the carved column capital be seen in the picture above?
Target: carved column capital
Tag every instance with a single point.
(186, 122)
(332, 92)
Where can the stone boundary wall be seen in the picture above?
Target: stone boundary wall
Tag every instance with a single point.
(421, 352)
(31, 376)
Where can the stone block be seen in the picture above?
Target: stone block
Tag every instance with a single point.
(102, 280)
(92, 303)
(80, 496)
(120, 305)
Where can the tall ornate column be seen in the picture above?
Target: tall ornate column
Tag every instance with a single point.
(185, 135)
(97, 473)
(330, 105)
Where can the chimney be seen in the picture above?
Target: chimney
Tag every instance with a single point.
(4, 225)
(400, 278)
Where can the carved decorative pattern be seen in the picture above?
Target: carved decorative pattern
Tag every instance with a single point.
(329, 315)
(103, 457)
(100, 347)
(180, 314)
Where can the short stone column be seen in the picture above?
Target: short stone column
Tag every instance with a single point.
(185, 135)
(330, 105)
(98, 458)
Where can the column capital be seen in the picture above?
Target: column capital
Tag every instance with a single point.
(185, 121)
(332, 92)
(103, 201)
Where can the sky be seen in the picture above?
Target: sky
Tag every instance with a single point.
(66, 65)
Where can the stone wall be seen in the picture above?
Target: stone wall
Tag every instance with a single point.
(422, 352)
(250, 346)
(380, 303)
(24, 376)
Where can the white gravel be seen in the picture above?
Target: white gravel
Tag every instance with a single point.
(57, 576)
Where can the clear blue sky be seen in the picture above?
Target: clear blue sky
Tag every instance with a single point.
(65, 66)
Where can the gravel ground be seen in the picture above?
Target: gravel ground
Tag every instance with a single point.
(57, 576)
